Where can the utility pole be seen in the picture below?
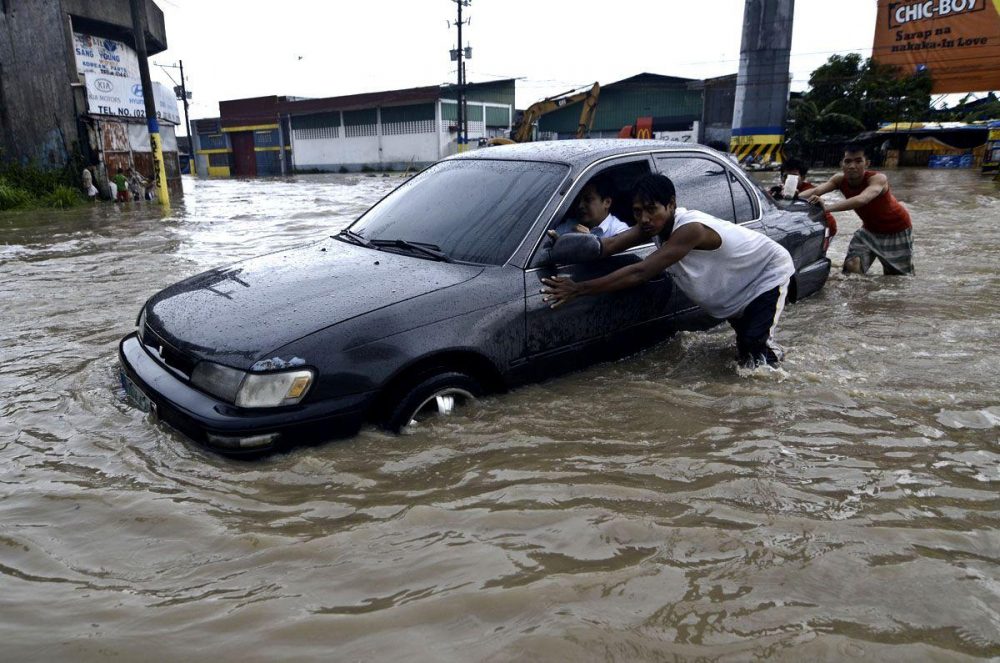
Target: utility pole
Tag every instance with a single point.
(180, 91)
(139, 34)
(187, 120)
(457, 55)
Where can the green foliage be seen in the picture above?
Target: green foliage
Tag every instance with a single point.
(25, 186)
(62, 197)
(12, 197)
(37, 182)
(970, 110)
(849, 95)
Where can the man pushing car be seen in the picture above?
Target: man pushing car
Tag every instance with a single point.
(732, 272)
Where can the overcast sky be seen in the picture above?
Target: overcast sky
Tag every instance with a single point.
(322, 48)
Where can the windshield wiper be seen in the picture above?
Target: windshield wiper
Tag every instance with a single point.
(432, 251)
(353, 238)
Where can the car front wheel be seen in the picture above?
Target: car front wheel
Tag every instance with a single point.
(436, 395)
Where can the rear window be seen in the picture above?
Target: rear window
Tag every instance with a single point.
(474, 210)
(702, 184)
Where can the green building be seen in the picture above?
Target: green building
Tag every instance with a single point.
(673, 103)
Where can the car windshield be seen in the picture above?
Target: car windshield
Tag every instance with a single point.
(471, 210)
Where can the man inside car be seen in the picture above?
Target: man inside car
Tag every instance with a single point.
(593, 211)
(732, 272)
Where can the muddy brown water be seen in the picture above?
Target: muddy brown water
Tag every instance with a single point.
(658, 508)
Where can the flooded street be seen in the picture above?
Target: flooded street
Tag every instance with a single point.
(659, 508)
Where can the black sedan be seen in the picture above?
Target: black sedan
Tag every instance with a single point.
(430, 299)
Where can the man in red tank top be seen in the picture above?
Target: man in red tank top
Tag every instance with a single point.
(886, 232)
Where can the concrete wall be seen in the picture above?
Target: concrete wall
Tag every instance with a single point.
(116, 13)
(40, 91)
(357, 152)
(37, 110)
(762, 88)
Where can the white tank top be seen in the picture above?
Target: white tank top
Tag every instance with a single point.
(724, 280)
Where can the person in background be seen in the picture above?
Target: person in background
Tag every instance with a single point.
(121, 184)
(136, 185)
(593, 211)
(886, 232)
(88, 184)
(799, 169)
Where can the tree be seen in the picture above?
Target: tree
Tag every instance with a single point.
(972, 110)
(848, 94)
(810, 124)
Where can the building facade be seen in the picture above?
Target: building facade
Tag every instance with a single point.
(76, 59)
(392, 130)
(673, 103)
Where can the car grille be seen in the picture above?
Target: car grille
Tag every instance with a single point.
(165, 353)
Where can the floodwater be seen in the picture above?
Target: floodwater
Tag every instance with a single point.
(659, 508)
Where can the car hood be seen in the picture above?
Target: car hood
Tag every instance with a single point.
(238, 314)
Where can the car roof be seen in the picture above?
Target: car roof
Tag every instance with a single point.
(579, 152)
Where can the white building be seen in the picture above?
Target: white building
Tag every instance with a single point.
(397, 129)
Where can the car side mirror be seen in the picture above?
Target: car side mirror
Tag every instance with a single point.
(573, 248)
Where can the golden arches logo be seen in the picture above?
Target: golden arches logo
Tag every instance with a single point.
(643, 133)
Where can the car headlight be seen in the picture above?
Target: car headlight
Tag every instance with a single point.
(252, 389)
(218, 380)
(274, 389)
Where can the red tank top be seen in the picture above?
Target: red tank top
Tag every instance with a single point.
(883, 215)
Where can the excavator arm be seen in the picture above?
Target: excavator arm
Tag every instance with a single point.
(521, 133)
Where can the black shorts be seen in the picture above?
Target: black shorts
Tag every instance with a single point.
(755, 327)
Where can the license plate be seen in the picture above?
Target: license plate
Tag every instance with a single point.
(134, 395)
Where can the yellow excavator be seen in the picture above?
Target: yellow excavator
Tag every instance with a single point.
(521, 133)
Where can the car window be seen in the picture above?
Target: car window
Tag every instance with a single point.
(474, 210)
(619, 179)
(702, 184)
(743, 199)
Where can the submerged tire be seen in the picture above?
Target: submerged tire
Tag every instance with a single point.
(436, 395)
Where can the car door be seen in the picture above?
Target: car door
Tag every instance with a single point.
(589, 327)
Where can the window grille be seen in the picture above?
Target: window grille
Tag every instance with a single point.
(212, 142)
(399, 128)
(317, 133)
(359, 130)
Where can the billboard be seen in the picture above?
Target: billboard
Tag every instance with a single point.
(122, 98)
(96, 55)
(956, 41)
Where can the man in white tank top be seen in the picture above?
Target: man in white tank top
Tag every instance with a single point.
(732, 272)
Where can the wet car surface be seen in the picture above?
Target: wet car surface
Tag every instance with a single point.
(430, 299)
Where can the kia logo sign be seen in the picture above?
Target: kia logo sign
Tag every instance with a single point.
(104, 85)
(137, 90)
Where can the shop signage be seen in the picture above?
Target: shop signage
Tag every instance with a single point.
(957, 42)
(122, 98)
(107, 57)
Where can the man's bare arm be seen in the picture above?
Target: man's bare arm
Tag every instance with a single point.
(623, 241)
(831, 184)
(560, 290)
(876, 185)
